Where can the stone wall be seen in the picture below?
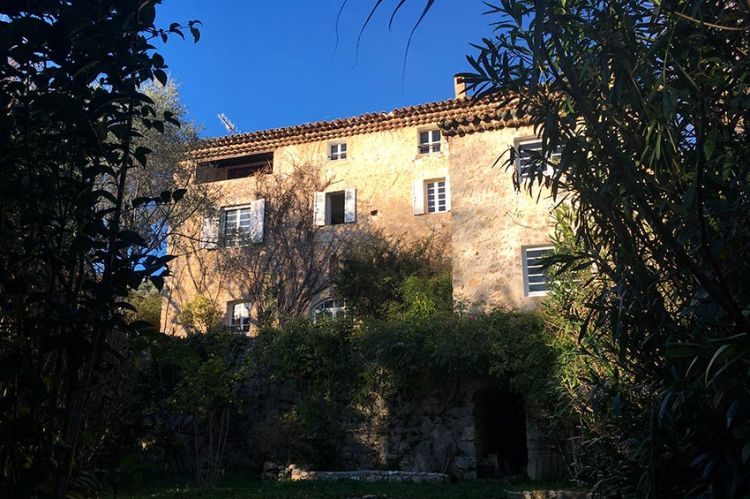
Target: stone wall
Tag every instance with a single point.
(488, 226)
(381, 166)
(492, 223)
(432, 433)
(428, 433)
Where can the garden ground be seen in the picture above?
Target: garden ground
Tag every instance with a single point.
(250, 487)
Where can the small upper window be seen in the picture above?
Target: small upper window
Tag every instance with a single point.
(437, 196)
(429, 141)
(337, 151)
(527, 152)
(239, 316)
(535, 276)
(329, 308)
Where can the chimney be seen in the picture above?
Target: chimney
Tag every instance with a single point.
(459, 87)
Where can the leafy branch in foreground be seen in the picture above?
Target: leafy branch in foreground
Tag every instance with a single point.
(70, 87)
(649, 105)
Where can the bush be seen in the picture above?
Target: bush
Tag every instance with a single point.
(378, 275)
(335, 366)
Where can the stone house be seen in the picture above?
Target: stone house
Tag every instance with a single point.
(428, 169)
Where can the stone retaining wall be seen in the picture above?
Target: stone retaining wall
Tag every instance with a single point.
(431, 433)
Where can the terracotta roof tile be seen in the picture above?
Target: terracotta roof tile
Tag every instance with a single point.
(454, 116)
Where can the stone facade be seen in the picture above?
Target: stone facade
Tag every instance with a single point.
(382, 166)
(435, 432)
(492, 222)
(489, 226)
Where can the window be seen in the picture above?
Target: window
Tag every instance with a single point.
(529, 151)
(437, 199)
(337, 151)
(245, 166)
(431, 196)
(334, 208)
(239, 316)
(235, 226)
(535, 277)
(429, 141)
(335, 202)
(331, 308)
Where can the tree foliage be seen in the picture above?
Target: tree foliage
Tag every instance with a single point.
(382, 277)
(648, 103)
(71, 75)
(399, 352)
(168, 147)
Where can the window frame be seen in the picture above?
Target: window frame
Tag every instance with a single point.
(446, 193)
(526, 276)
(431, 146)
(245, 323)
(525, 177)
(340, 308)
(322, 209)
(329, 207)
(236, 242)
(250, 165)
(339, 155)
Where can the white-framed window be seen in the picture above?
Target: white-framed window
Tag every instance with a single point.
(535, 279)
(337, 151)
(527, 151)
(437, 196)
(234, 225)
(330, 308)
(429, 141)
(239, 316)
(432, 195)
(237, 224)
(336, 207)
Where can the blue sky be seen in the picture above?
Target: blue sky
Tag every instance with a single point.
(271, 63)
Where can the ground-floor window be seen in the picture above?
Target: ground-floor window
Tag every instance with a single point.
(328, 308)
(239, 316)
(535, 279)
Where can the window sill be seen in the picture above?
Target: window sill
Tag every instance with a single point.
(433, 155)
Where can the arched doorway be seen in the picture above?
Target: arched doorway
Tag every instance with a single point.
(500, 432)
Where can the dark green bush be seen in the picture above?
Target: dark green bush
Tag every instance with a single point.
(376, 277)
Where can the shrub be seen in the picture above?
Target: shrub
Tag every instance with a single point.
(376, 275)
(200, 315)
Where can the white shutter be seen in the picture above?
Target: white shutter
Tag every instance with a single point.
(447, 193)
(350, 206)
(319, 208)
(418, 197)
(210, 232)
(258, 221)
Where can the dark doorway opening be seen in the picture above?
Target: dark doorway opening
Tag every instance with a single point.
(500, 433)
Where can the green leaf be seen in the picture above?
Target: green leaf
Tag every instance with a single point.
(717, 355)
(161, 76)
(178, 194)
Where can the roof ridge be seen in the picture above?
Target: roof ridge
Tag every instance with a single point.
(239, 136)
(418, 114)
